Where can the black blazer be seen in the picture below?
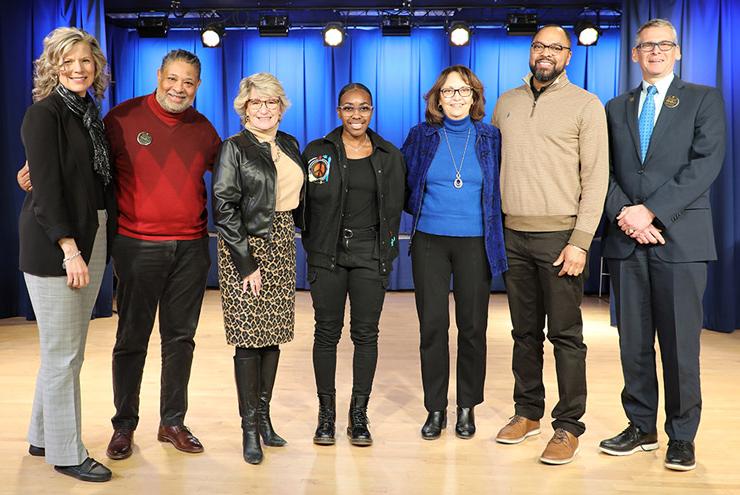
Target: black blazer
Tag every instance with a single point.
(685, 155)
(62, 201)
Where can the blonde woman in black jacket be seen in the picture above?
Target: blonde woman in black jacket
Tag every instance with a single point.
(64, 225)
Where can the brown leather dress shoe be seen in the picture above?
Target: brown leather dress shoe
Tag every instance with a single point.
(121, 443)
(181, 438)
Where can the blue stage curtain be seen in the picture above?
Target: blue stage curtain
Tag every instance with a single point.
(397, 70)
(709, 56)
(23, 26)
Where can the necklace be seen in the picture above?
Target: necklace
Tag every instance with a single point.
(274, 147)
(357, 149)
(458, 183)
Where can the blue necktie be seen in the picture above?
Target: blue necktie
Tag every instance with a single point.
(647, 116)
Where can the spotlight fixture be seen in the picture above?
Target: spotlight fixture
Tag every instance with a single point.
(459, 32)
(521, 24)
(152, 25)
(212, 35)
(273, 26)
(587, 33)
(396, 25)
(334, 34)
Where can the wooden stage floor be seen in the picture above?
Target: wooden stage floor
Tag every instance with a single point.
(400, 462)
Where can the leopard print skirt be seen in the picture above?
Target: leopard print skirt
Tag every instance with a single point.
(269, 318)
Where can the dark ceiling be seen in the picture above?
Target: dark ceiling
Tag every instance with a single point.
(192, 13)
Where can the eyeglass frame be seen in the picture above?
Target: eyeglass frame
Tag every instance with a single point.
(458, 91)
(653, 45)
(556, 48)
(251, 104)
(356, 109)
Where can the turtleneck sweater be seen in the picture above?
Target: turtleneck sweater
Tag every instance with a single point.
(445, 209)
(159, 159)
(289, 173)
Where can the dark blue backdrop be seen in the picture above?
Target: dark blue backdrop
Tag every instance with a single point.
(397, 70)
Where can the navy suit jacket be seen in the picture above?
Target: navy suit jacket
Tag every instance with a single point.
(685, 156)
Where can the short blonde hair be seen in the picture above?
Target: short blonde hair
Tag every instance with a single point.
(262, 82)
(659, 23)
(56, 45)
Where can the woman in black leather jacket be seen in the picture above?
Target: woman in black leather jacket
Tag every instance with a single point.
(257, 182)
(354, 197)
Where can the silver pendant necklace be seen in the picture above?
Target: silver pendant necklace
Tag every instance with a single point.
(458, 182)
(357, 149)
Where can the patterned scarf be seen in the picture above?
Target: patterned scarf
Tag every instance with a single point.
(87, 110)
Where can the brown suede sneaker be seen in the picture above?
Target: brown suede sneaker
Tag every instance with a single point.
(517, 430)
(561, 449)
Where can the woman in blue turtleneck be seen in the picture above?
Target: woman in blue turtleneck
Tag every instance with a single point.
(453, 180)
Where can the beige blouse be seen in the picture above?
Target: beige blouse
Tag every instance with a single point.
(289, 173)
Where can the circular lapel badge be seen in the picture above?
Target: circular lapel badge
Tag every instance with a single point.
(671, 101)
(144, 138)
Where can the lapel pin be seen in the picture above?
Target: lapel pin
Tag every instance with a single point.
(144, 138)
(671, 101)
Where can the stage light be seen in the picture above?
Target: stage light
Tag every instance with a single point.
(587, 33)
(459, 33)
(396, 25)
(152, 25)
(334, 34)
(212, 35)
(273, 25)
(521, 24)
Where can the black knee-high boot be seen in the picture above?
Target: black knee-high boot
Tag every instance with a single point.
(270, 360)
(247, 372)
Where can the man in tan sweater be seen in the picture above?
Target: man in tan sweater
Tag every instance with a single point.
(554, 176)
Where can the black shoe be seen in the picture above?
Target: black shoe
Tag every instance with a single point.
(36, 451)
(680, 455)
(631, 440)
(247, 371)
(435, 423)
(465, 426)
(357, 430)
(89, 470)
(325, 428)
(267, 381)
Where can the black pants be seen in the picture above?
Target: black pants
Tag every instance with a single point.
(355, 274)
(652, 294)
(534, 291)
(171, 275)
(434, 260)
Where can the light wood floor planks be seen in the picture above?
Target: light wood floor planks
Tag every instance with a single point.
(400, 462)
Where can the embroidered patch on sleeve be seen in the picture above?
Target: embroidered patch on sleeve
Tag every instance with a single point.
(318, 169)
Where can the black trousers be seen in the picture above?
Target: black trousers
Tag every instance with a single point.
(651, 294)
(355, 275)
(170, 275)
(434, 260)
(535, 291)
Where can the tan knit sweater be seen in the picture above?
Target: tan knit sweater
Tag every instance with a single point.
(554, 159)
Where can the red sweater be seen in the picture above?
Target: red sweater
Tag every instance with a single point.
(160, 159)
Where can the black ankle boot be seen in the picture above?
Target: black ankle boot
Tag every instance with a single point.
(247, 372)
(465, 426)
(435, 423)
(357, 424)
(267, 381)
(327, 413)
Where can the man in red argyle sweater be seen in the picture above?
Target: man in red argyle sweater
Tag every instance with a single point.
(161, 148)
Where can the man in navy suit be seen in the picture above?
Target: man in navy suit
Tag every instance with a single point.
(667, 143)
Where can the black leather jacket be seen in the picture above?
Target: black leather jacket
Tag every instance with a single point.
(325, 198)
(244, 192)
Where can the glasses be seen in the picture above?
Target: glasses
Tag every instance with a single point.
(449, 93)
(350, 109)
(649, 46)
(271, 104)
(538, 47)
